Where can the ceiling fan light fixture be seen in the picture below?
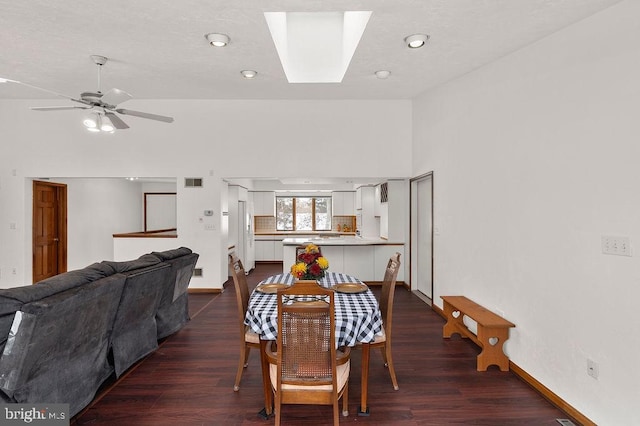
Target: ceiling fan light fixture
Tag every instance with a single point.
(90, 122)
(107, 124)
(217, 39)
(416, 41)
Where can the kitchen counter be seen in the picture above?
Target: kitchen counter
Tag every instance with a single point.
(365, 258)
(337, 241)
(305, 234)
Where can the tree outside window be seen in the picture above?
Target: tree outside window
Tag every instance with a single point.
(303, 213)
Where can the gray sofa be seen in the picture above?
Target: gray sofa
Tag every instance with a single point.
(61, 338)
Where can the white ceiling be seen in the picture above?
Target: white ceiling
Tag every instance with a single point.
(157, 48)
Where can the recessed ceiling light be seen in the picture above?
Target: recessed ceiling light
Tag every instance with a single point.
(383, 74)
(416, 40)
(217, 40)
(249, 74)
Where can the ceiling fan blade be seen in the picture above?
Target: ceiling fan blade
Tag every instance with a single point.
(7, 80)
(58, 108)
(115, 96)
(145, 115)
(116, 121)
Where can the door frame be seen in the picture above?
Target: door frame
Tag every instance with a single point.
(412, 232)
(61, 212)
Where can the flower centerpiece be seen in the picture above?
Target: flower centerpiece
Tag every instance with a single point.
(310, 265)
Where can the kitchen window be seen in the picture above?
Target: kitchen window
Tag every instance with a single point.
(303, 213)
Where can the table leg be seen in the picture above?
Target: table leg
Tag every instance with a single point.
(266, 382)
(364, 380)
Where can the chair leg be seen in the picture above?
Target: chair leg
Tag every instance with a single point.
(247, 351)
(278, 408)
(244, 354)
(336, 413)
(389, 361)
(345, 400)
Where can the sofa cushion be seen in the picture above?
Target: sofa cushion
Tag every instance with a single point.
(143, 261)
(172, 254)
(12, 299)
(173, 312)
(59, 345)
(134, 329)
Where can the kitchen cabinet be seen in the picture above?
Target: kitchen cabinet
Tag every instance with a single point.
(264, 250)
(359, 262)
(381, 256)
(264, 203)
(268, 248)
(364, 198)
(366, 222)
(277, 249)
(335, 256)
(343, 203)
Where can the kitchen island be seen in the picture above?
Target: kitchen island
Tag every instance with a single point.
(365, 258)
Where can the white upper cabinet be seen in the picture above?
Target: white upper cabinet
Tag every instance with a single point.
(264, 203)
(343, 203)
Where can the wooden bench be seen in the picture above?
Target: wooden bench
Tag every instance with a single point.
(493, 330)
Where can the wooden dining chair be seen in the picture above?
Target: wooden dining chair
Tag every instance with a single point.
(306, 367)
(248, 339)
(383, 341)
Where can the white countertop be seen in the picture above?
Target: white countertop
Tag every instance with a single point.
(337, 241)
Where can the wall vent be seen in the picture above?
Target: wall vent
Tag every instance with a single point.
(384, 192)
(197, 272)
(193, 182)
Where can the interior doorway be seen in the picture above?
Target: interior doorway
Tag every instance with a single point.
(422, 236)
(49, 229)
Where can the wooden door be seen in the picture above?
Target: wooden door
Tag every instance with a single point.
(49, 230)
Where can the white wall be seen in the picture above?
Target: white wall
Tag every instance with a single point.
(160, 210)
(535, 157)
(97, 209)
(209, 139)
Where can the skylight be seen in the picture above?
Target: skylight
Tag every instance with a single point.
(316, 47)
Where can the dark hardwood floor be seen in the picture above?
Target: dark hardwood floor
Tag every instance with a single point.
(189, 379)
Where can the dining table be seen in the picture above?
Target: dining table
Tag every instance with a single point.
(357, 319)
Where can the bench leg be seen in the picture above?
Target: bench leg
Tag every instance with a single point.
(453, 325)
(492, 354)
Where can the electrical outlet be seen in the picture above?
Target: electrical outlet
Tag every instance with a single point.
(620, 246)
(592, 368)
(209, 227)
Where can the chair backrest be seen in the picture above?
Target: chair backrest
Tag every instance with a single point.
(388, 290)
(306, 335)
(242, 288)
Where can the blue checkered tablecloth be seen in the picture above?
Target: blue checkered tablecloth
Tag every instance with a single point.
(358, 317)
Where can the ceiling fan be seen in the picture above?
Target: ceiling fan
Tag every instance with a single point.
(103, 105)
